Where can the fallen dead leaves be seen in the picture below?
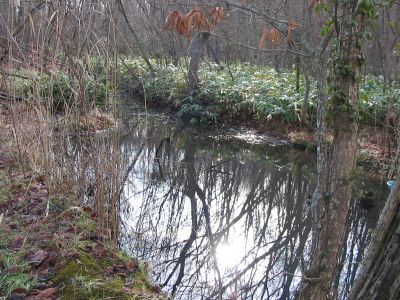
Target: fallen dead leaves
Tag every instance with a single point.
(49, 293)
(37, 258)
(44, 241)
(17, 243)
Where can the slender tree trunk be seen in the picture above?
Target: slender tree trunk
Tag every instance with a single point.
(297, 74)
(322, 151)
(303, 111)
(334, 198)
(136, 38)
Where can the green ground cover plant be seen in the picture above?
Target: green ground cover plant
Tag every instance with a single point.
(234, 92)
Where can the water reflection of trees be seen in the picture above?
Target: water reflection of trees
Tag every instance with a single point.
(358, 234)
(192, 202)
(214, 219)
(219, 223)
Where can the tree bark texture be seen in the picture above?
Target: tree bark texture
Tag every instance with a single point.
(333, 199)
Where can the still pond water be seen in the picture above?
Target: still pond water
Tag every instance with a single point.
(224, 214)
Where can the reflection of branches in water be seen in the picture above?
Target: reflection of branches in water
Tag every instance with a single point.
(358, 237)
(281, 243)
(191, 203)
(129, 169)
(260, 200)
(183, 206)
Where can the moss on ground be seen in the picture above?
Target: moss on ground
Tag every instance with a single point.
(82, 278)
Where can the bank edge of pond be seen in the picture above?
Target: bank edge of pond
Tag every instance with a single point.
(372, 153)
(51, 245)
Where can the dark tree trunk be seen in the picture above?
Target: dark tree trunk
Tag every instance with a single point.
(332, 200)
(297, 75)
(303, 111)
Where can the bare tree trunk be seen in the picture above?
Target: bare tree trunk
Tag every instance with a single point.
(303, 111)
(322, 151)
(136, 38)
(334, 202)
(196, 53)
(297, 74)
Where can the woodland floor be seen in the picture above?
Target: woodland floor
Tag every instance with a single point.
(51, 246)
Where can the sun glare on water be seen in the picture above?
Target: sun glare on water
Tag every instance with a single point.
(229, 255)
